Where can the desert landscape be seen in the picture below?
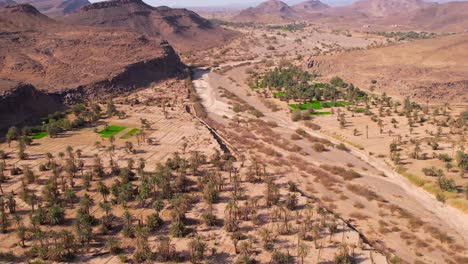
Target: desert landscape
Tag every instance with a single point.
(273, 132)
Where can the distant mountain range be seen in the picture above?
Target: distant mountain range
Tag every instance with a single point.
(275, 11)
(55, 7)
(452, 16)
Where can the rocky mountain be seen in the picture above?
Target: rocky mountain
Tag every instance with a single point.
(184, 29)
(272, 11)
(310, 6)
(56, 7)
(45, 64)
(6, 2)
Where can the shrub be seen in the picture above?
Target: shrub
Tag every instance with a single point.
(209, 219)
(292, 187)
(272, 124)
(441, 197)
(153, 221)
(301, 132)
(344, 173)
(444, 157)
(319, 147)
(363, 191)
(280, 258)
(342, 147)
(433, 171)
(257, 113)
(447, 184)
(305, 115)
(296, 115)
(295, 137)
(312, 126)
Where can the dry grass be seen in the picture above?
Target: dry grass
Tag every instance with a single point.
(364, 192)
(359, 216)
(347, 175)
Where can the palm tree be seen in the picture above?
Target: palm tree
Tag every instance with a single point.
(166, 249)
(69, 151)
(11, 202)
(265, 236)
(3, 221)
(127, 216)
(197, 249)
(21, 233)
(55, 215)
(332, 228)
(102, 189)
(113, 244)
(302, 251)
(79, 153)
(85, 203)
(68, 240)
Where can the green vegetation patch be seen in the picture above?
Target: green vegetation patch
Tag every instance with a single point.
(39, 135)
(320, 113)
(317, 105)
(111, 131)
(129, 134)
(290, 27)
(314, 104)
(279, 94)
(359, 110)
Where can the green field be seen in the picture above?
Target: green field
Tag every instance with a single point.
(129, 134)
(111, 131)
(39, 135)
(317, 105)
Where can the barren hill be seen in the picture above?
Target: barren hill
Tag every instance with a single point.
(451, 16)
(56, 7)
(22, 17)
(432, 69)
(381, 8)
(310, 6)
(49, 61)
(272, 11)
(182, 28)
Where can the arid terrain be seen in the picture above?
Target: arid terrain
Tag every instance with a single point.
(304, 133)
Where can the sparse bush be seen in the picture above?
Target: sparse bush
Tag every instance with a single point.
(447, 184)
(313, 126)
(319, 147)
(444, 157)
(280, 258)
(433, 171)
(344, 173)
(296, 115)
(342, 147)
(295, 137)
